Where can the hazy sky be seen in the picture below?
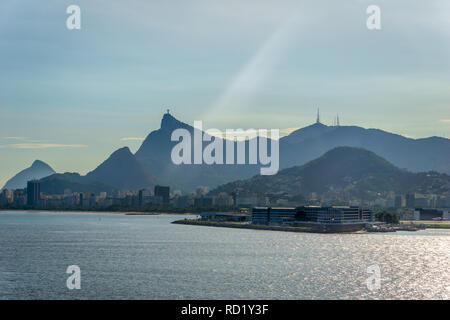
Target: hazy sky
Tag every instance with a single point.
(72, 97)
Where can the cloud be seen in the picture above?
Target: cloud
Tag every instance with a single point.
(24, 139)
(287, 131)
(15, 138)
(445, 120)
(41, 146)
(132, 139)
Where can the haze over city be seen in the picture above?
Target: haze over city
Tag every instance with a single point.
(70, 98)
(224, 158)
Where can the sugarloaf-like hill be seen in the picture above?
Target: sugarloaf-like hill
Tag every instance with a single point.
(37, 170)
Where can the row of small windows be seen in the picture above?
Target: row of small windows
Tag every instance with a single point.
(311, 214)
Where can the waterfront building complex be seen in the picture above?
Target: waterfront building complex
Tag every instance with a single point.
(335, 215)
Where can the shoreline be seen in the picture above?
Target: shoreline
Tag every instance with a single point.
(304, 228)
(129, 213)
(241, 225)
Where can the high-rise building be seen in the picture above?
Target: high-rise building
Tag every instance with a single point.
(20, 198)
(410, 200)
(4, 197)
(81, 199)
(223, 200)
(203, 202)
(421, 201)
(399, 202)
(161, 191)
(184, 201)
(33, 192)
(141, 198)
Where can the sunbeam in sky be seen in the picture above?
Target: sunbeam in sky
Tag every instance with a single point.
(232, 64)
(253, 74)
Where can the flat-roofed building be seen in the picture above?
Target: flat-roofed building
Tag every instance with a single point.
(203, 202)
(164, 192)
(432, 214)
(311, 214)
(269, 215)
(421, 201)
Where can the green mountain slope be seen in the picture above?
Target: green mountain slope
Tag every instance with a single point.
(353, 171)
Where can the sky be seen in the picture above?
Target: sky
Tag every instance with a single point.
(72, 97)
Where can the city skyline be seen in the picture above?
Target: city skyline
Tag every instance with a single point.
(70, 98)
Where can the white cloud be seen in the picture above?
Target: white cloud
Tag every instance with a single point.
(15, 138)
(41, 146)
(132, 139)
(287, 131)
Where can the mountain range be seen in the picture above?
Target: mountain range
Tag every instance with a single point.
(299, 147)
(155, 156)
(152, 162)
(356, 172)
(415, 155)
(121, 171)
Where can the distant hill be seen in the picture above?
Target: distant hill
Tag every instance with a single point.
(57, 183)
(354, 171)
(38, 170)
(155, 156)
(122, 171)
(416, 155)
(152, 162)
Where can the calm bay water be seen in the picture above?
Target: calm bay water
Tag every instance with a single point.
(147, 257)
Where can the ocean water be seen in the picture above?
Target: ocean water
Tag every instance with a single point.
(147, 257)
